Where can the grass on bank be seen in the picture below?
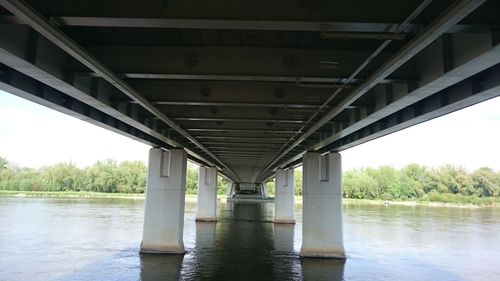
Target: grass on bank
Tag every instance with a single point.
(69, 194)
(83, 194)
(435, 199)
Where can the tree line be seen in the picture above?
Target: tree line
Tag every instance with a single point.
(415, 181)
(104, 176)
(387, 183)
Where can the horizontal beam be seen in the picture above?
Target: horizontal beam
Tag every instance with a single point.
(371, 28)
(245, 138)
(363, 35)
(183, 23)
(337, 27)
(243, 120)
(237, 104)
(241, 131)
(448, 100)
(456, 12)
(238, 153)
(300, 81)
(239, 63)
(245, 144)
(467, 60)
(234, 157)
(240, 148)
(39, 23)
(28, 88)
(244, 153)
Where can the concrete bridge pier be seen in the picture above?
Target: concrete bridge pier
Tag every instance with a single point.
(322, 206)
(164, 213)
(230, 188)
(207, 194)
(284, 201)
(264, 191)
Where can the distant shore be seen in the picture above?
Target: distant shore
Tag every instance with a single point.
(420, 203)
(494, 203)
(86, 194)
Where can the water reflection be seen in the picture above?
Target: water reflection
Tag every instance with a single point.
(99, 241)
(244, 243)
(160, 267)
(283, 238)
(322, 269)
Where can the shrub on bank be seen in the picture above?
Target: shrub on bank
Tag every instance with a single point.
(459, 199)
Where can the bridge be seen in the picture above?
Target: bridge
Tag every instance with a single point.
(250, 89)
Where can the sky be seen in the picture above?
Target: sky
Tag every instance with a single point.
(32, 135)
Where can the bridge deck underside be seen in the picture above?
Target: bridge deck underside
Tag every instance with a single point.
(251, 86)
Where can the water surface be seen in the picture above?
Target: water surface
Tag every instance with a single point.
(98, 239)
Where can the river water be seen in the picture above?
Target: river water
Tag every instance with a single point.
(98, 239)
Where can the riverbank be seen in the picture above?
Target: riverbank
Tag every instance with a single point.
(421, 203)
(462, 202)
(489, 202)
(87, 194)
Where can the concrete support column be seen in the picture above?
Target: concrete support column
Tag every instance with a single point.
(207, 194)
(322, 206)
(284, 202)
(164, 213)
(230, 186)
(265, 194)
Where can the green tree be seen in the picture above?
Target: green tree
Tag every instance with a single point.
(485, 182)
(3, 163)
(388, 182)
(358, 184)
(298, 182)
(192, 178)
(414, 179)
(454, 180)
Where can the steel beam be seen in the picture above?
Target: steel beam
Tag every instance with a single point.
(245, 138)
(34, 19)
(93, 92)
(467, 61)
(242, 120)
(301, 81)
(237, 104)
(240, 149)
(241, 131)
(331, 27)
(363, 35)
(245, 144)
(456, 12)
(275, 25)
(28, 88)
(456, 97)
(237, 63)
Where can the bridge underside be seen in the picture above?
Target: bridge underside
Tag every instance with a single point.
(251, 86)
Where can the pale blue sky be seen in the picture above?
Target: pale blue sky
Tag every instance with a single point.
(32, 135)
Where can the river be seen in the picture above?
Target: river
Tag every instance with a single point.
(98, 239)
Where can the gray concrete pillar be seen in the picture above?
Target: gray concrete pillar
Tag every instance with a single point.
(207, 194)
(265, 194)
(164, 213)
(230, 187)
(322, 206)
(284, 202)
